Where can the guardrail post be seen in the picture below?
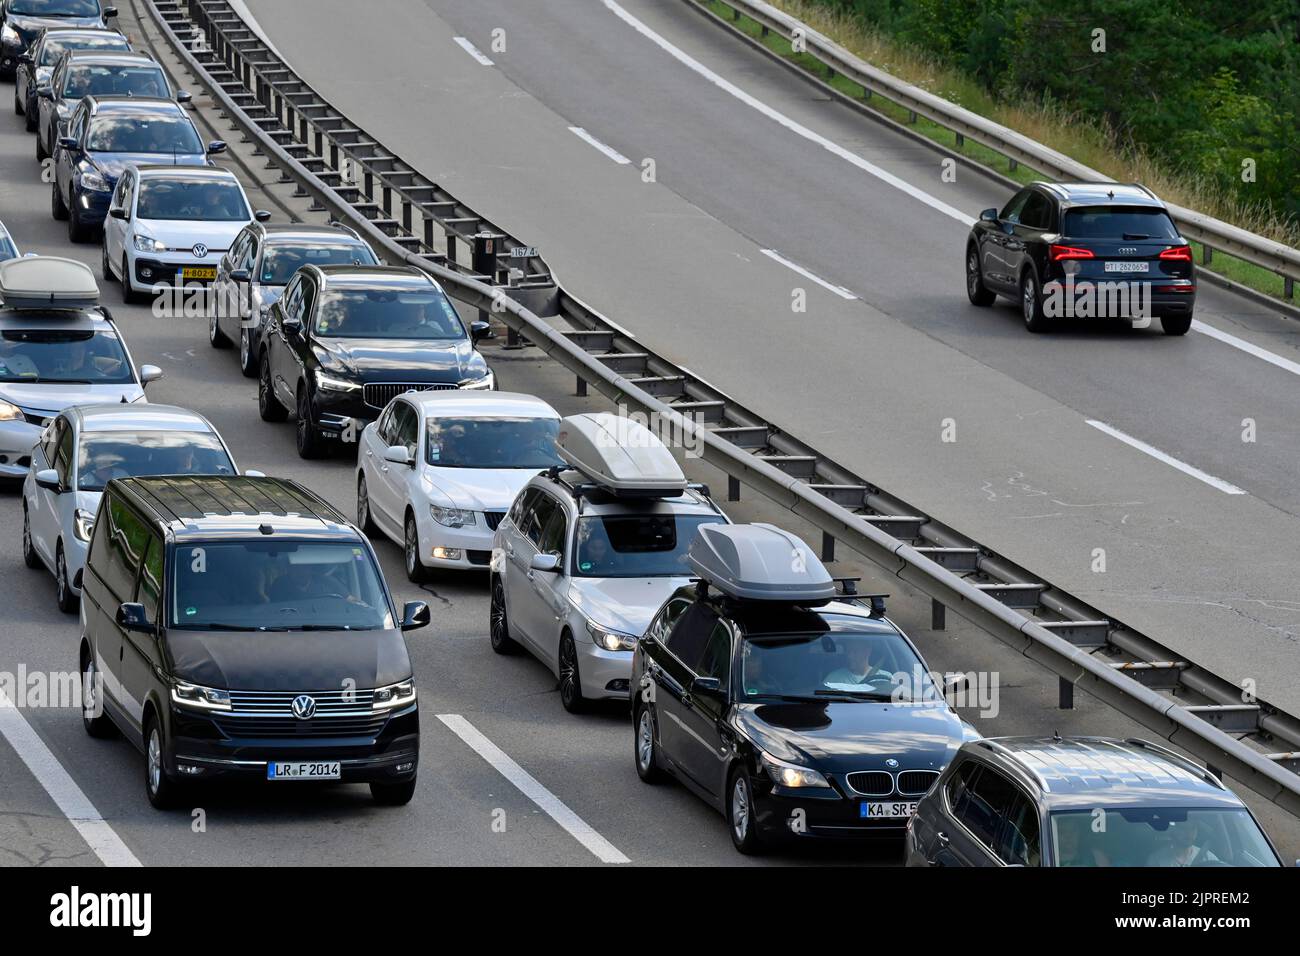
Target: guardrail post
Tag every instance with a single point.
(1207, 254)
(1213, 769)
(1065, 694)
(733, 488)
(451, 247)
(828, 546)
(1012, 164)
(1288, 287)
(582, 384)
(938, 616)
(961, 140)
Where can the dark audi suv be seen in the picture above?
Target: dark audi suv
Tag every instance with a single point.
(240, 626)
(344, 340)
(1083, 251)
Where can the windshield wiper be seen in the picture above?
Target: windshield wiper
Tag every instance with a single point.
(213, 626)
(855, 694)
(1134, 236)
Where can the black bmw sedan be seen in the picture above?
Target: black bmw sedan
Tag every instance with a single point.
(794, 721)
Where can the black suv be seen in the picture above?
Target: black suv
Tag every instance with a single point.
(241, 626)
(1083, 250)
(796, 717)
(344, 340)
(1082, 801)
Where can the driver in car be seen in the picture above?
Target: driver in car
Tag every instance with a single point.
(85, 358)
(862, 667)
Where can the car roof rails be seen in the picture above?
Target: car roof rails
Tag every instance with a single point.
(47, 282)
(849, 590)
(620, 455)
(759, 562)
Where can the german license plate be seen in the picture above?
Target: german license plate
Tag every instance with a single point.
(1128, 266)
(201, 273)
(303, 770)
(887, 811)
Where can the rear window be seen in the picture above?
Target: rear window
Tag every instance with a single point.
(143, 80)
(1118, 222)
(282, 260)
(52, 48)
(630, 546)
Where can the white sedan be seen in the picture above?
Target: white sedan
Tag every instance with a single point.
(171, 225)
(438, 470)
(84, 448)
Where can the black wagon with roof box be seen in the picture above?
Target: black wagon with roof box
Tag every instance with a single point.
(241, 626)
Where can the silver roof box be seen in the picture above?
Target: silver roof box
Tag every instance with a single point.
(47, 282)
(620, 455)
(760, 562)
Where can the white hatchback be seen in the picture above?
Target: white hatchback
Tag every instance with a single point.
(438, 470)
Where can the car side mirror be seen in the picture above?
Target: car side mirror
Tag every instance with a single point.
(131, 617)
(254, 473)
(239, 275)
(150, 373)
(110, 13)
(70, 144)
(290, 323)
(262, 215)
(550, 563)
(24, 58)
(118, 212)
(954, 682)
(216, 146)
(184, 96)
(397, 454)
(707, 687)
(989, 215)
(480, 330)
(45, 92)
(415, 615)
(48, 479)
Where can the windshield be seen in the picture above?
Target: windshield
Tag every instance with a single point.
(108, 455)
(492, 442)
(63, 356)
(55, 8)
(278, 585)
(1118, 222)
(387, 314)
(91, 80)
(143, 134)
(870, 664)
(201, 200)
(280, 262)
(52, 47)
(636, 546)
(1159, 836)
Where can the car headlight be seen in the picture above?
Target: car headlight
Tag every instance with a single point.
(611, 640)
(10, 412)
(148, 244)
(200, 698)
(394, 695)
(9, 35)
(83, 524)
(332, 384)
(486, 382)
(94, 181)
(790, 775)
(452, 517)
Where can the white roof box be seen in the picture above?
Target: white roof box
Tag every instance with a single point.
(760, 562)
(47, 282)
(620, 455)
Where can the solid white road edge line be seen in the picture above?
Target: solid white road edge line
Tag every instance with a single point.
(1226, 487)
(839, 290)
(473, 51)
(590, 140)
(528, 785)
(63, 790)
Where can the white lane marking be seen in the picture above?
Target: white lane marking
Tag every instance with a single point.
(473, 51)
(858, 161)
(839, 290)
(1248, 347)
(528, 785)
(609, 151)
(63, 790)
(1226, 487)
(790, 124)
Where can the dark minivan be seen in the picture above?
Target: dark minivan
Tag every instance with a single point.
(241, 626)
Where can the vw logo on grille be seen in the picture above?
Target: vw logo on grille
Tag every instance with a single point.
(303, 707)
(891, 763)
(199, 250)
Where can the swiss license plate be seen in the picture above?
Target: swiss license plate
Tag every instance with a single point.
(204, 273)
(887, 811)
(303, 770)
(1127, 266)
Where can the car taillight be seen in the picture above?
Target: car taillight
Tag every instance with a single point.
(1178, 253)
(1069, 252)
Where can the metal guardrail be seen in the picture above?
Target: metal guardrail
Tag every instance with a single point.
(1120, 667)
(1212, 233)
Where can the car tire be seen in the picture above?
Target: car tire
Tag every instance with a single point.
(570, 676)
(99, 725)
(741, 822)
(268, 406)
(1031, 303)
(247, 354)
(307, 436)
(20, 108)
(67, 598)
(976, 291)
(365, 520)
(42, 154)
(105, 267)
(499, 620)
(163, 792)
(393, 794)
(57, 208)
(30, 557)
(78, 231)
(216, 338)
(129, 294)
(30, 121)
(1176, 324)
(415, 569)
(644, 749)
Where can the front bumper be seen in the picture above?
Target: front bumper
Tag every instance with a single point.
(92, 205)
(201, 749)
(167, 268)
(606, 675)
(455, 548)
(818, 813)
(17, 438)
